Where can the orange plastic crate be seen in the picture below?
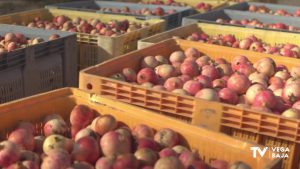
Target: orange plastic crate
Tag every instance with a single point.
(62, 102)
(259, 127)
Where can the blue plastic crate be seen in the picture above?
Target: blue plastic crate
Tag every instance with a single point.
(244, 6)
(172, 20)
(37, 68)
(227, 14)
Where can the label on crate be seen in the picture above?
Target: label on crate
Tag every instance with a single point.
(272, 152)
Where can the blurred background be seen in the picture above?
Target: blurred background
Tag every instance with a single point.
(7, 6)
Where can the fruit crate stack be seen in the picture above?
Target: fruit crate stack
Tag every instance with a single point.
(199, 5)
(95, 43)
(267, 8)
(233, 2)
(171, 14)
(71, 128)
(160, 78)
(246, 19)
(34, 61)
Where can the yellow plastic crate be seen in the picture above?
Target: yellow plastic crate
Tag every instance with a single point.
(232, 2)
(251, 125)
(215, 3)
(93, 49)
(270, 37)
(62, 102)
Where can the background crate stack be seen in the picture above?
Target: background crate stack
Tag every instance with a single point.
(233, 2)
(39, 68)
(216, 4)
(172, 20)
(250, 125)
(245, 6)
(228, 14)
(92, 49)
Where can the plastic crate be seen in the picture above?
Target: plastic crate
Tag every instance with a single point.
(172, 20)
(62, 102)
(93, 49)
(232, 2)
(211, 17)
(38, 68)
(270, 37)
(245, 6)
(216, 4)
(263, 128)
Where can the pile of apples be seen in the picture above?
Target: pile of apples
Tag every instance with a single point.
(204, 6)
(201, 5)
(91, 26)
(12, 41)
(262, 86)
(168, 2)
(258, 24)
(145, 11)
(238, 1)
(98, 142)
(265, 10)
(249, 43)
